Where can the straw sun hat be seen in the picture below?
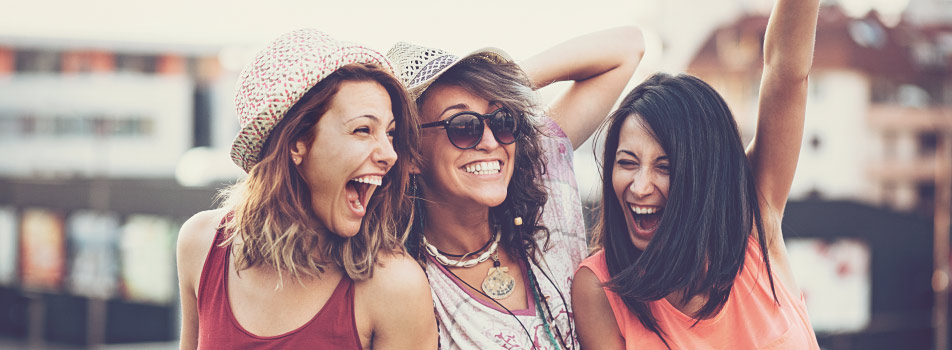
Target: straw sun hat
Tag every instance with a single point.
(418, 66)
(277, 78)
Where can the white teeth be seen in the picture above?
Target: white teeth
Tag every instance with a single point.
(643, 210)
(358, 205)
(483, 168)
(370, 179)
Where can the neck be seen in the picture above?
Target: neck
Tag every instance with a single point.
(457, 231)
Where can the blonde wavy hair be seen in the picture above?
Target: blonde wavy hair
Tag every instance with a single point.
(271, 208)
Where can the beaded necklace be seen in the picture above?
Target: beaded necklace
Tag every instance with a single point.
(545, 320)
(434, 252)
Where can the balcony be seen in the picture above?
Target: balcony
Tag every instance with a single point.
(898, 118)
(922, 168)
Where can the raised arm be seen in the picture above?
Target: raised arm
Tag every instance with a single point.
(788, 57)
(600, 64)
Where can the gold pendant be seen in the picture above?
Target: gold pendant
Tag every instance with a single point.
(498, 284)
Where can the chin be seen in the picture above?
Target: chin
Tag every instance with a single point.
(494, 201)
(347, 231)
(639, 241)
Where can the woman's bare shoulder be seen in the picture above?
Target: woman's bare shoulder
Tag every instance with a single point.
(398, 301)
(194, 240)
(396, 275)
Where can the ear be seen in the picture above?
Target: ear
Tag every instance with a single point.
(298, 152)
(415, 170)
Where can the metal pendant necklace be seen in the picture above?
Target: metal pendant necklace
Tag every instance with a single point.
(498, 284)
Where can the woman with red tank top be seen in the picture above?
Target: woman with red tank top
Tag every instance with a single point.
(691, 250)
(303, 252)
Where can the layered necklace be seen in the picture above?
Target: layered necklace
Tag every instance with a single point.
(498, 284)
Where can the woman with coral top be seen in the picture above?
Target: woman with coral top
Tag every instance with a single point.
(691, 250)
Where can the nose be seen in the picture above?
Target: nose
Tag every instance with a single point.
(488, 141)
(643, 184)
(385, 155)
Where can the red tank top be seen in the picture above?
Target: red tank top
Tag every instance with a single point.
(333, 327)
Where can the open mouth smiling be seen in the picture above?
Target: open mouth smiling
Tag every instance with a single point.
(359, 189)
(483, 168)
(647, 218)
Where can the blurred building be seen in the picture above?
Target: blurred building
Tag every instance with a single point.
(100, 109)
(93, 134)
(864, 288)
(858, 232)
(928, 12)
(879, 96)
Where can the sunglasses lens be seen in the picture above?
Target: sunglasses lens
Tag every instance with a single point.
(504, 127)
(464, 130)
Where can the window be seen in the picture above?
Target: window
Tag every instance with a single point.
(881, 91)
(889, 193)
(815, 142)
(36, 61)
(136, 63)
(928, 143)
(86, 62)
(890, 144)
(925, 198)
(83, 125)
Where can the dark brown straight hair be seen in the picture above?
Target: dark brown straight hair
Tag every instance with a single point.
(712, 206)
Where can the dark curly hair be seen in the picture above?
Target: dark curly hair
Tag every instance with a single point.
(507, 84)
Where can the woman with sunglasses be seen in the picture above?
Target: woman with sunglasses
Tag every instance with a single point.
(303, 253)
(499, 225)
(692, 254)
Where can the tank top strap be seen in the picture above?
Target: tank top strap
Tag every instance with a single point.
(341, 301)
(211, 283)
(599, 266)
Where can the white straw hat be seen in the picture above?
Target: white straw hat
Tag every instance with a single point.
(279, 76)
(417, 66)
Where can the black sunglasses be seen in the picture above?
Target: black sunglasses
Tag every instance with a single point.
(465, 129)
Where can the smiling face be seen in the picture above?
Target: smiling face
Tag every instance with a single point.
(640, 178)
(350, 154)
(478, 176)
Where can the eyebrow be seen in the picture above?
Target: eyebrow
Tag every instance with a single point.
(456, 106)
(370, 116)
(630, 153)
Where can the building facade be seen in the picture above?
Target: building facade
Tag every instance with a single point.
(879, 99)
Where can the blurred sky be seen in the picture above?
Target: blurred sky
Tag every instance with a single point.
(521, 27)
(374, 21)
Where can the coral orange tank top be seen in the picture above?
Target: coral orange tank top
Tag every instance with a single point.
(749, 320)
(333, 327)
